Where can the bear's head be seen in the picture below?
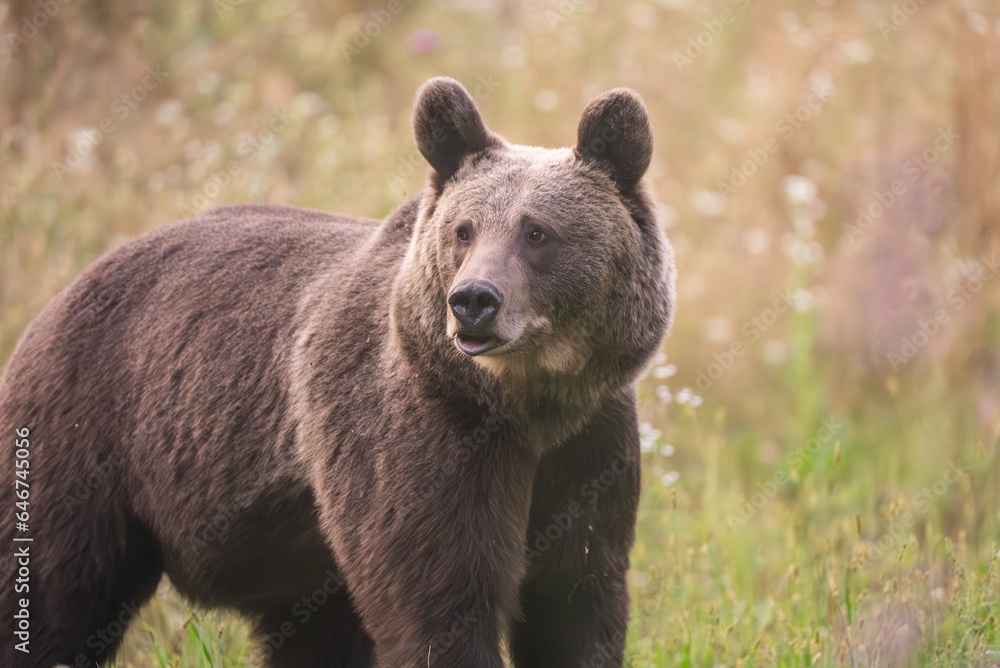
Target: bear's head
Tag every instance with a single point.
(537, 264)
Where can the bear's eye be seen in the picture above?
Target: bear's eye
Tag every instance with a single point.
(536, 236)
(463, 234)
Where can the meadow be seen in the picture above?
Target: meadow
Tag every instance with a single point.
(821, 432)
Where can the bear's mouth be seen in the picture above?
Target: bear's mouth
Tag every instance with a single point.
(476, 344)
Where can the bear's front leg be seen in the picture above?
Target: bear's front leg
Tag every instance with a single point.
(574, 599)
(435, 565)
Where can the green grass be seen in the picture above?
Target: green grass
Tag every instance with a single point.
(794, 576)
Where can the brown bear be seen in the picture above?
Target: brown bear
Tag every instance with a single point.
(393, 444)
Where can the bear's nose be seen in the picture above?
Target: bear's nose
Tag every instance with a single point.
(475, 303)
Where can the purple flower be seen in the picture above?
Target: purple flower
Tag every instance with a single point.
(424, 41)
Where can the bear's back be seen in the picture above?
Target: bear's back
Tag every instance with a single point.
(231, 262)
(188, 322)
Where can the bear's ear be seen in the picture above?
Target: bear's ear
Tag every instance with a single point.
(447, 126)
(614, 135)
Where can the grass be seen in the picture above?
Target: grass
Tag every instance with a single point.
(797, 507)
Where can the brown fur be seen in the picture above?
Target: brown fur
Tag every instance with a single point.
(268, 402)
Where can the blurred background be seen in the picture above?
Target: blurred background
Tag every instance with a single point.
(820, 432)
